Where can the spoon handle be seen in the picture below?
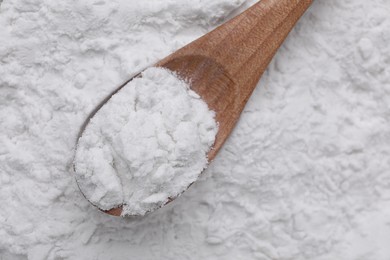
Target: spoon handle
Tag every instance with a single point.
(225, 65)
(250, 41)
(245, 45)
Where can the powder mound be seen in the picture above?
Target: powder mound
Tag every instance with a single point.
(146, 145)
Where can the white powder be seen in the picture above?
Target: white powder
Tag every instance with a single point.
(304, 175)
(146, 145)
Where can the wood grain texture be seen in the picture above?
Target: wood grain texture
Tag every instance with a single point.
(225, 65)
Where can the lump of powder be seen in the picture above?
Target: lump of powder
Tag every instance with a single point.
(146, 145)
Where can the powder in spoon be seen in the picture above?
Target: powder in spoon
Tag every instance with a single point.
(147, 144)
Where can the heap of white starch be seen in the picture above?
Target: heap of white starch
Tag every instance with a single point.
(146, 145)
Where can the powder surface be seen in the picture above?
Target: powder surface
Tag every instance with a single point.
(304, 175)
(147, 144)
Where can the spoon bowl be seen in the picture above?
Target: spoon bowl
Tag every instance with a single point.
(225, 65)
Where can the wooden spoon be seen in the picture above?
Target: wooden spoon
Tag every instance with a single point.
(225, 65)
